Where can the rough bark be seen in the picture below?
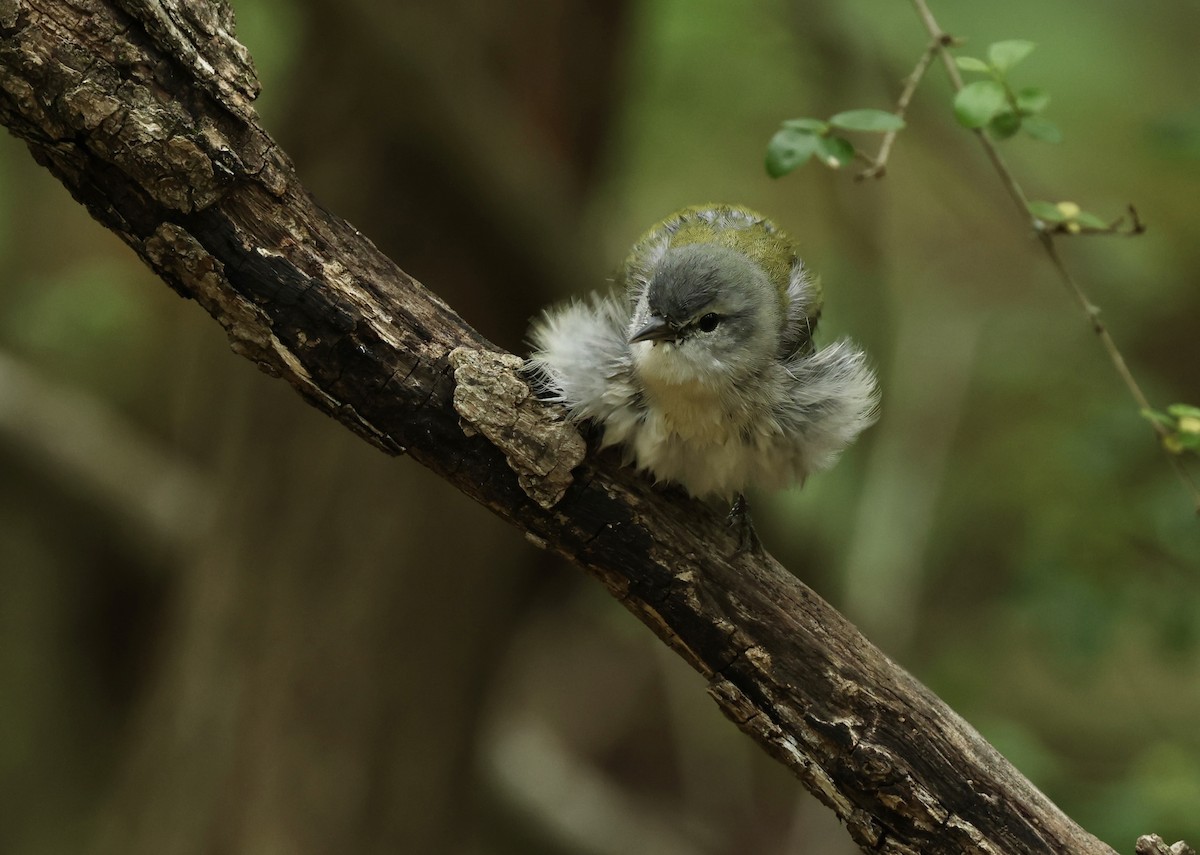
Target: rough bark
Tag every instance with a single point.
(143, 109)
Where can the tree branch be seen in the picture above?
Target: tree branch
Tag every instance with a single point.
(142, 108)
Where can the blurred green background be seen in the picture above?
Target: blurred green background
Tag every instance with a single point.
(228, 625)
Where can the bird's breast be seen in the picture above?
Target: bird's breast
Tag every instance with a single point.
(692, 411)
(689, 393)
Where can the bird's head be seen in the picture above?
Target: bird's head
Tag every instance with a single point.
(709, 314)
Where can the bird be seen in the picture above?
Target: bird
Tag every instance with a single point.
(701, 365)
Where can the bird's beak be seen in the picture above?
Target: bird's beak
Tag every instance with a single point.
(657, 330)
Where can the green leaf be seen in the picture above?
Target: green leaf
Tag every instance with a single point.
(970, 63)
(1004, 125)
(1004, 55)
(1042, 129)
(1188, 441)
(870, 121)
(835, 151)
(1051, 213)
(1159, 418)
(978, 103)
(789, 149)
(1182, 425)
(813, 126)
(1184, 411)
(1032, 99)
(1090, 221)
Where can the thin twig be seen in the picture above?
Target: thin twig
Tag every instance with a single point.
(1114, 353)
(940, 41)
(878, 165)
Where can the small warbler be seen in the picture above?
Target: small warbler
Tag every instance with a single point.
(704, 370)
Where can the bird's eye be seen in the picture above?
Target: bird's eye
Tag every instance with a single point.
(709, 322)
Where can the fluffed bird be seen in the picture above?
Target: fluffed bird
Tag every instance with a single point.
(703, 368)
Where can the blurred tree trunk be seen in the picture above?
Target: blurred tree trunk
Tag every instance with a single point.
(467, 138)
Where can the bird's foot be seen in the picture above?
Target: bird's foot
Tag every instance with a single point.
(739, 520)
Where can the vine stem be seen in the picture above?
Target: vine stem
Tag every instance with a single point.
(940, 42)
(878, 165)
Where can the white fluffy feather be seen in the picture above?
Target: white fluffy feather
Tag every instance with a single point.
(715, 438)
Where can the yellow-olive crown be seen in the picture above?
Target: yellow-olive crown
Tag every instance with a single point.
(748, 233)
(735, 227)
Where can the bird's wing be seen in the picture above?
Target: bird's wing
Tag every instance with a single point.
(581, 356)
(830, 397)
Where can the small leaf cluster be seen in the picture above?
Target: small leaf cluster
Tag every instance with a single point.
(1067, 217)
(994, 104)
(1181, 424)
(798, 140)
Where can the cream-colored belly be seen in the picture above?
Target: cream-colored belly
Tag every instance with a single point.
(691, 412)
(705, 455)
(699, 432)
